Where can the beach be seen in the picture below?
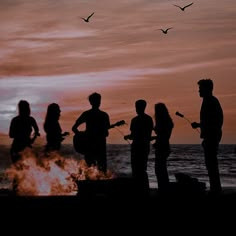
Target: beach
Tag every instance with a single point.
(118, 203)
(188, 159)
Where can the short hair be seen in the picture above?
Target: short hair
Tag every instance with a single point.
(95, 98)
(206, 84)
(141, 104)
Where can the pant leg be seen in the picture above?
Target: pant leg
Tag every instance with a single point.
(211, 161)
(139, 158)
(161, 171)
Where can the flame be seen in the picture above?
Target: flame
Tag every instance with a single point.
(52, 175)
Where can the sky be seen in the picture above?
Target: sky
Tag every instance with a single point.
(49, 54)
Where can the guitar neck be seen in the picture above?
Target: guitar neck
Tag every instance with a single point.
(119, 123)
(112, 126)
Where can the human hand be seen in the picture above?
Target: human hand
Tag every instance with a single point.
(65, 133)
(127, 137)
(195, 125)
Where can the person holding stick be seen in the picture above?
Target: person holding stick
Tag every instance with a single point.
(211, 122)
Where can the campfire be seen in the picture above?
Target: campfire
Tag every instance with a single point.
(39, 175)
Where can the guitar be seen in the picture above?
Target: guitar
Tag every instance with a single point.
(80, 141)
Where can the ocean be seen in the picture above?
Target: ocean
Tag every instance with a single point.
(188, 159)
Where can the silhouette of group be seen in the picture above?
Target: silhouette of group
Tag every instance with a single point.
(92, 141)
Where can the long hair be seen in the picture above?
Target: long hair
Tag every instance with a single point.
(162, 116)
(52, 115)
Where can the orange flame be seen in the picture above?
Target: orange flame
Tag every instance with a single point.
(51, 175)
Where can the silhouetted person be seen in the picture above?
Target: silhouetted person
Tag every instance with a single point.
(163, 129)
(97, 126)
(24, 130)
(211, 122)
(22, 127)
(141, 129)
(52, 128)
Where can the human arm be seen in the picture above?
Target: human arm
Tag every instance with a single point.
(75, 128)
(153, 138)
(128, 136)
(65, 134)
(77, 123)
(12, 129)
(36, 130)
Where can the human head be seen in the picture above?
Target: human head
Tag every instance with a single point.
(24, 108)
(205, 87)
(95, 100)
(161, 110)
(140, 106)
(162, 116)
(53, 111)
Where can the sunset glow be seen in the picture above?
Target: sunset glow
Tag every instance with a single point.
(48, 54)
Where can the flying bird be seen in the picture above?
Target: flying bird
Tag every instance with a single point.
(87, 19)
(166, 30)
(183, 8)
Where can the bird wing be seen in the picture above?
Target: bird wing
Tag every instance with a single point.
(177, 6)
(188, 5)
(169, 28)
(90, 15)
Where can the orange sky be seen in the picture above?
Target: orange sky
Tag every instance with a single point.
(48, 54)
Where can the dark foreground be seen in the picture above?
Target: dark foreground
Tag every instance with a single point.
(121, 194)
(106, 213)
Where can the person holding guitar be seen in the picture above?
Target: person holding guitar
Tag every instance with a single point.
(52, 128)
(97, 125)
(22, 128)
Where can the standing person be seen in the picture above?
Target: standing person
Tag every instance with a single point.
(21, 129)
(163, 129)
(211, 122)
(54, 135)
(141, 130)
(97, 125)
